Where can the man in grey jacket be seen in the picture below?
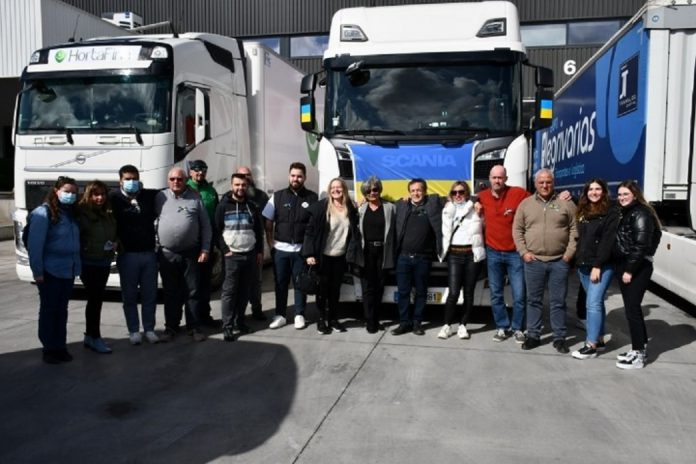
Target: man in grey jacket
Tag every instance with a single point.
(183, 234)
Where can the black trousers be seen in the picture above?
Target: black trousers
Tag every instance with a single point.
(632, 294)
(94, 279)
(180, 277)
(372, 282)
(331, 270)
(235, 288)
(462, 273)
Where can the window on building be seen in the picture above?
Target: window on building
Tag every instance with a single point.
(543, 35)
(308, 45)
(271, 42)
(592, 32)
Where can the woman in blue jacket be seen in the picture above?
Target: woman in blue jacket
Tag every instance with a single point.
(54, 256)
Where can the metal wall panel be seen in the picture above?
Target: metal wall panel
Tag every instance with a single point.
(20, 23)
(61, 22)
(556, 59)
(564, 10)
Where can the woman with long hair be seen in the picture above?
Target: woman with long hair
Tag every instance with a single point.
(637, 238)
(331, 241)
(463, 246)
(54, 256)
(98, 240)
(597, 219)
(376, 224)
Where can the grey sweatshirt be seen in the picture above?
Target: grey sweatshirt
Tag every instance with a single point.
(182, 223)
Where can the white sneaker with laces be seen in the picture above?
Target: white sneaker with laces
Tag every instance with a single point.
(445, 332)
(277, 322)
(300, 322)
(462, 332)
(637, 361)
(151, 337)
(135, 338)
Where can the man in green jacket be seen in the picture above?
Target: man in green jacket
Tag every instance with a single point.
(198, 169)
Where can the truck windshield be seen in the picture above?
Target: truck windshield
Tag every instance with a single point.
(95, 104)
(466, 99)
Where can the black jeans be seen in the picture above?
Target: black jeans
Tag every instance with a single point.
(372, 283)
(205, 281)
(94, 279)
(462, 272)
(180, 276)
(632, 295)
(235, 288)
(331, 270)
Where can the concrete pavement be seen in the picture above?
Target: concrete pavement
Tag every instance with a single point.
(289, 396)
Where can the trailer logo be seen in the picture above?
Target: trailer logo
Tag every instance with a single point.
(628, 86)
(312, 147)
(576, 138)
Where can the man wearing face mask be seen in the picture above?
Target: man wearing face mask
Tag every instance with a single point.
(134, 210)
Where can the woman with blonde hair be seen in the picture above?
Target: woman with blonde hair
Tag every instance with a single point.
(98, 241)
(463, 246)
(331, 241)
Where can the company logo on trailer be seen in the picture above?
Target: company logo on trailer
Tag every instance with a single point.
(563, 142)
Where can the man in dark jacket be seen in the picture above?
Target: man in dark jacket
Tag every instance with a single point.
(286, 219)
(240, 238)
(419, 241)
(258, 198)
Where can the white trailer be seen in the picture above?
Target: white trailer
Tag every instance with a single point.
(429, 91)
(153, 101)
(629, 113)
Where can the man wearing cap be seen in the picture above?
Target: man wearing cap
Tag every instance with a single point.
(198, 170)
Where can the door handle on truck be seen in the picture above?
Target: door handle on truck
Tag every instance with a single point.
(107, 140)
(56, 140)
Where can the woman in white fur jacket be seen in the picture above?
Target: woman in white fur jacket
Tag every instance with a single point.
(463, 248)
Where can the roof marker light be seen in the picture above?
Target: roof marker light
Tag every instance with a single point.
(493, 27)
(159, 53)
(35, 58)
(352, 33)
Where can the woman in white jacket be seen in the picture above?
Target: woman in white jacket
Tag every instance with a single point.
(463, 247)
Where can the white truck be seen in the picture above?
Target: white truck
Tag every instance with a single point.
(154, 101)
(629, 113)
(424, 91)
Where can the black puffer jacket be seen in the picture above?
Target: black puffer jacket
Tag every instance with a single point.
(634, 237)
(596, 237)
(318, 230)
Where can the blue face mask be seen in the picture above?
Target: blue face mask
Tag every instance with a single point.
(67, 198)
(131, 186)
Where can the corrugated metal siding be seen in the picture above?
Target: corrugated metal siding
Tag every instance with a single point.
(20, 23)
(554, 58)
(61, 22)
(555, 10)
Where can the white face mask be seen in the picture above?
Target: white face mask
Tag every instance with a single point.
(67, 198)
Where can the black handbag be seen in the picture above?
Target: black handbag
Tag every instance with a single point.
(308, 281)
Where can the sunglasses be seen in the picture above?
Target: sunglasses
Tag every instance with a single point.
(374, 190)
(199, 169)
(176, 179)
(454, 193)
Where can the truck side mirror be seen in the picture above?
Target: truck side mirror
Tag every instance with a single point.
(543, 111)
(544, 77)
(307, 116)
(308, 84)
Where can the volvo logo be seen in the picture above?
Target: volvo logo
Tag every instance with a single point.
(80, 158)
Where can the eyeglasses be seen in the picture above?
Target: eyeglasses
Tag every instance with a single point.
(454, 193)
(199, 169)
(374, 190)
(176, 179)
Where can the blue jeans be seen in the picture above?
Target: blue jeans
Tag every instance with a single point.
(54, 295)
(285, 265)
(596, 313)
(412, 270)
(500, 263)
(138, 272)
(538, 275)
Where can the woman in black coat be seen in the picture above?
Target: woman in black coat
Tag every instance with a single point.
(637, 238)
(332, 240)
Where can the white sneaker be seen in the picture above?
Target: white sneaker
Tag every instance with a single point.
(277, 322)
(445, 332)
(462, 332)
(632, 360)
(151, 337)
(135, 338)
(300, 322)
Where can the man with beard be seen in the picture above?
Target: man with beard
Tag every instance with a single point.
(240, 238)
(286, 220)
(258, 198)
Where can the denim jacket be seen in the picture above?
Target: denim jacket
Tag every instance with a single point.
(54, 248)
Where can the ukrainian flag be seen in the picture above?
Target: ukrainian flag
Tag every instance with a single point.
(546, 107)
(440, 166)
(305, 113)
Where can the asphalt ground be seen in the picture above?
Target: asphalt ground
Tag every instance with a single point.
(294, 396)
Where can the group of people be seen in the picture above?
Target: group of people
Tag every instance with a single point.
(532, 239)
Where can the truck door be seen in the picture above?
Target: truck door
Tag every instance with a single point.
(192, 113)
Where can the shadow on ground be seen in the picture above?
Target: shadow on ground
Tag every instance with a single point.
(174, 402)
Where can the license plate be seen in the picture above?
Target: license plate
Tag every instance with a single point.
(431, 297)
